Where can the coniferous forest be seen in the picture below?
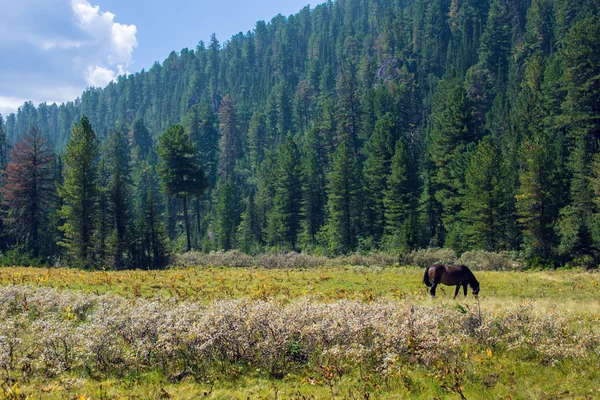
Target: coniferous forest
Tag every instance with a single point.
(359, 125)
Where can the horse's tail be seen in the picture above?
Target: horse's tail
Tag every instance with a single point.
(426, 280)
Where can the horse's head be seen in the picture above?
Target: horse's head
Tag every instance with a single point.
(475, 287)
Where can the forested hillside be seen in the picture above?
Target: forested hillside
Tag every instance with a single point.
(358, 125)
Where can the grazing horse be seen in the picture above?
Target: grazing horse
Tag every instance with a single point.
(458, 275)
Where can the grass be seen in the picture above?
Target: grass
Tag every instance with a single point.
(481, 373)
(574, 292)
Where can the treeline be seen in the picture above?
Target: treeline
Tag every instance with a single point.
(359, 125)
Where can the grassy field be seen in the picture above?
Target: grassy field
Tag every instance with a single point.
(479, 367)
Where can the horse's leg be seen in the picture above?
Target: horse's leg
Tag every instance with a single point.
(432, 291)
(465, 289)
(456, 291)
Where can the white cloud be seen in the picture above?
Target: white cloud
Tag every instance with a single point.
(58, 48)
(10, 104)
(99, 76)
(118, 41)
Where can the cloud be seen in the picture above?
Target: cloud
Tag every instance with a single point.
(99, 76)
(118, 40)
(9, 104)
(54, 49)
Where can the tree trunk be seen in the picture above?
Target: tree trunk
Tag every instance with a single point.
(187, 224)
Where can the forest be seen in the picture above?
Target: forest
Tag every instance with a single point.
(356, 126)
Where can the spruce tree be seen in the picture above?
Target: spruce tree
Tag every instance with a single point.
(344, 201)
(120, 204)
(483, 205)
(79, 193)
(284, 219)
(581, 54)
(451, 137)
(230, 142)
(577, 225)
(139, 137)
(227, 216)
(313, 204)
(401, 200)
(379, 149)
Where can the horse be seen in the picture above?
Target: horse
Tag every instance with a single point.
(457, 275)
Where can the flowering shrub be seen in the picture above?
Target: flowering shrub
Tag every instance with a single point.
(46, 333)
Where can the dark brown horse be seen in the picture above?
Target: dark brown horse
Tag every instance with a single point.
(457, 275)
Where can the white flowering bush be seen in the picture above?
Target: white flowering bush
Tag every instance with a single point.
(45, 332)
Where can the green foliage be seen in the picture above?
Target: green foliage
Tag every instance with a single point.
(80, 194)
(285, 216)
(180, 170)
(227, 216)
(400, 93)
(401, 200)
(344, 201)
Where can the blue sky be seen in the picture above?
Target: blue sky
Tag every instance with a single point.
(53, 49)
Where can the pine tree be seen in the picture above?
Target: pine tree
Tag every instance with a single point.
(257, 139)
(451, 136)
(28, 191)
(157, 248)
(180, 170)
(267, 178)
(313, 204)
(227, 216)
(284, 219)
(344, 200)
(139, 137)
(151, 248)
(484, 198)
(3, 145)
(538, 199)
(79, 193)
(249, 237)
(581, 54)
(119, 187)
(379, 149)
(401, 200)
(201, 126)
(577, 225)
(230, 143)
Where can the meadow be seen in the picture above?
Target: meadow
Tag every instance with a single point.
(345, 332)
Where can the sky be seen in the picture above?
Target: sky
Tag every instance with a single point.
(51, 50)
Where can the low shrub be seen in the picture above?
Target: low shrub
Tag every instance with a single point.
(426, 257)
(235, 258)
(46, 333)
(489, 261)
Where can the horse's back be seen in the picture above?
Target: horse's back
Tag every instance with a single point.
(436, 271)
(450, 275)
